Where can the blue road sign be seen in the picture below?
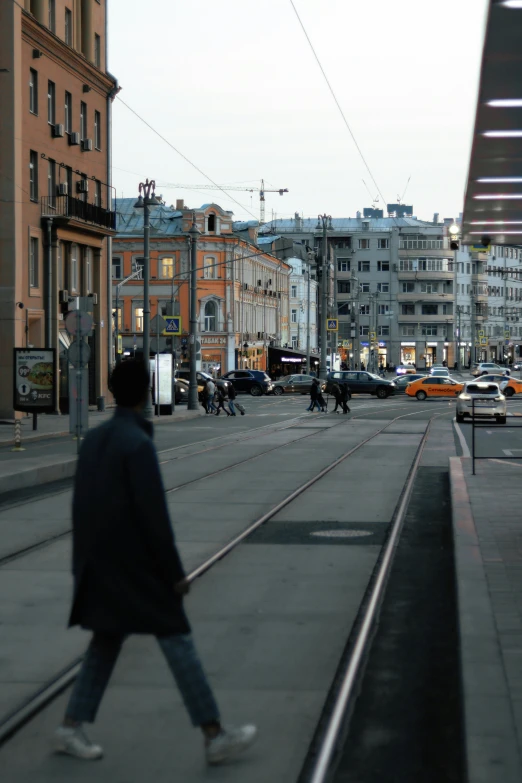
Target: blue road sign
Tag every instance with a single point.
(172, 324)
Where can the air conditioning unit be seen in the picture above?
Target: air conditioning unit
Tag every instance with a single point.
(74, 303)
(58, 130)
(94, 298)
(62, 189)
(63, 297)
(82, 186)
(74, 139)
(87, 145)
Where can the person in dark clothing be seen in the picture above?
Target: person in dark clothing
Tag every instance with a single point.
(203, 398)
(363, 366)
(336, 391)
(231, 398)
(128, 576)
(221, 401)
(314, 396)
(345, 395)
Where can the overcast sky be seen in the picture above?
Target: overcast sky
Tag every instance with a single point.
(235, 87)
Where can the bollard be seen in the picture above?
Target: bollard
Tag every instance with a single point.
(18, 437)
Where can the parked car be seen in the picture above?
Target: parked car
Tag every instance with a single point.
(182, 391)
(361, 382)
(489, 401)
(440, 372)
(487, 368)
(298, 384)
(405, 369)
(254, 382)
(402, 382)
(203, 378)
(434, 387)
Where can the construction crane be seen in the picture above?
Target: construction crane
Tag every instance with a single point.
(262, 191)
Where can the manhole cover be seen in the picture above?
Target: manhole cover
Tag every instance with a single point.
(341, 533)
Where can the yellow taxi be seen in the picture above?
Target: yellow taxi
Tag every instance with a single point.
(508, 385)
(434, 386)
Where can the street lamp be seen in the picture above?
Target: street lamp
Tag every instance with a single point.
(454, 231)
(145, 201)
(193, 387)
(324, 222)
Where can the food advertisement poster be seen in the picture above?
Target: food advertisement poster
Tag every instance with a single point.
(34, 379)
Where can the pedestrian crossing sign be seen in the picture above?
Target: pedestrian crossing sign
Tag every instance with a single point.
(332, 325)
(172, 325)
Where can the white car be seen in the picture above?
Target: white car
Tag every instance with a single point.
(488, 368)
(441, 372)
(481, 399)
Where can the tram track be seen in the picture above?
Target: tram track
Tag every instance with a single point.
(16, 718)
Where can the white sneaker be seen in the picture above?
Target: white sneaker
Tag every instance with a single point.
(229, 744)
(75, 742)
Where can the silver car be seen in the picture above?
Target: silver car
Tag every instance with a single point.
(485, 399)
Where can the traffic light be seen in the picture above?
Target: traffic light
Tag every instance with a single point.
(454, 244)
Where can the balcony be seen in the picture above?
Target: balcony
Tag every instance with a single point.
(418, 296)
(445, 275)
(67, 208)
(424, 319)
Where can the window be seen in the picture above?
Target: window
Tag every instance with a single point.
(408, 309)
(88, 269)
(384, 309)
(33, 175)
(343, 286)
(365, 288)
(210, 316)
(430, 309)
(33, 91)
(408, 330)
(117, 318)
(383, 266)
(51, 103)
(363, 266)
(429, 330)
(137, 264)
(73, 271)
(384, 288)
(293, 316)
(68, 112)
(383, 244)
(343, 265)
(33, 262)
(364, 244)
(293, 293)
(408, 288)
(429, 288)
(383, 331)
(97, 130)
(468, 269)
(294, 341)
(209, 268)
(364, 309)
(68, 27)
(364, 331)
(343, 308)
(138, 319)
(97, 50)
(167, 268)
(211, 223)
(83, 120)
(69, 176)
(116, 268)
(52, 16)
(51, 180)
(97, 193)
(407, 265)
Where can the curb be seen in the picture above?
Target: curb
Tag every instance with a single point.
(162, 420)
(491, 752)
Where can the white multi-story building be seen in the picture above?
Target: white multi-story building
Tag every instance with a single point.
(302, 306)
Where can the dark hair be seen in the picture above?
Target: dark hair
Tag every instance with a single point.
(129, 382)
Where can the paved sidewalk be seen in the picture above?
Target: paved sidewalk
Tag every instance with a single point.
(488, 559)
(30, 468)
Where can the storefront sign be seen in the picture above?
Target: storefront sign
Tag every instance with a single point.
(34, 379)
(381, 345)
(294, 359)
(213, 340)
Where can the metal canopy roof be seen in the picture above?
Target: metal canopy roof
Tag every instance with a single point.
(494, 208)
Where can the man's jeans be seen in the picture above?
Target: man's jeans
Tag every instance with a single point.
(231, 407)
(182, 659)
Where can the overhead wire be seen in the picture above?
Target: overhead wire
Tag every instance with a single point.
(194, 166)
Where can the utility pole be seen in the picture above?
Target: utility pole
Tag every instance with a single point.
(473, 356)
(309, 255)
(145, 201)
(193, 387)
(354, 327)
(322, 222)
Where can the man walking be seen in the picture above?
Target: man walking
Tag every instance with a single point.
(211, 390)
(314, 396)
(128, 577)
(231, 398)
(221, 401)
(336, 391)
(345, 395)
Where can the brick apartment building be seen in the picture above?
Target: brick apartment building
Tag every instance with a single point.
(55, 218)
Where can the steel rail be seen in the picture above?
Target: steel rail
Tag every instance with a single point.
(18, 717)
